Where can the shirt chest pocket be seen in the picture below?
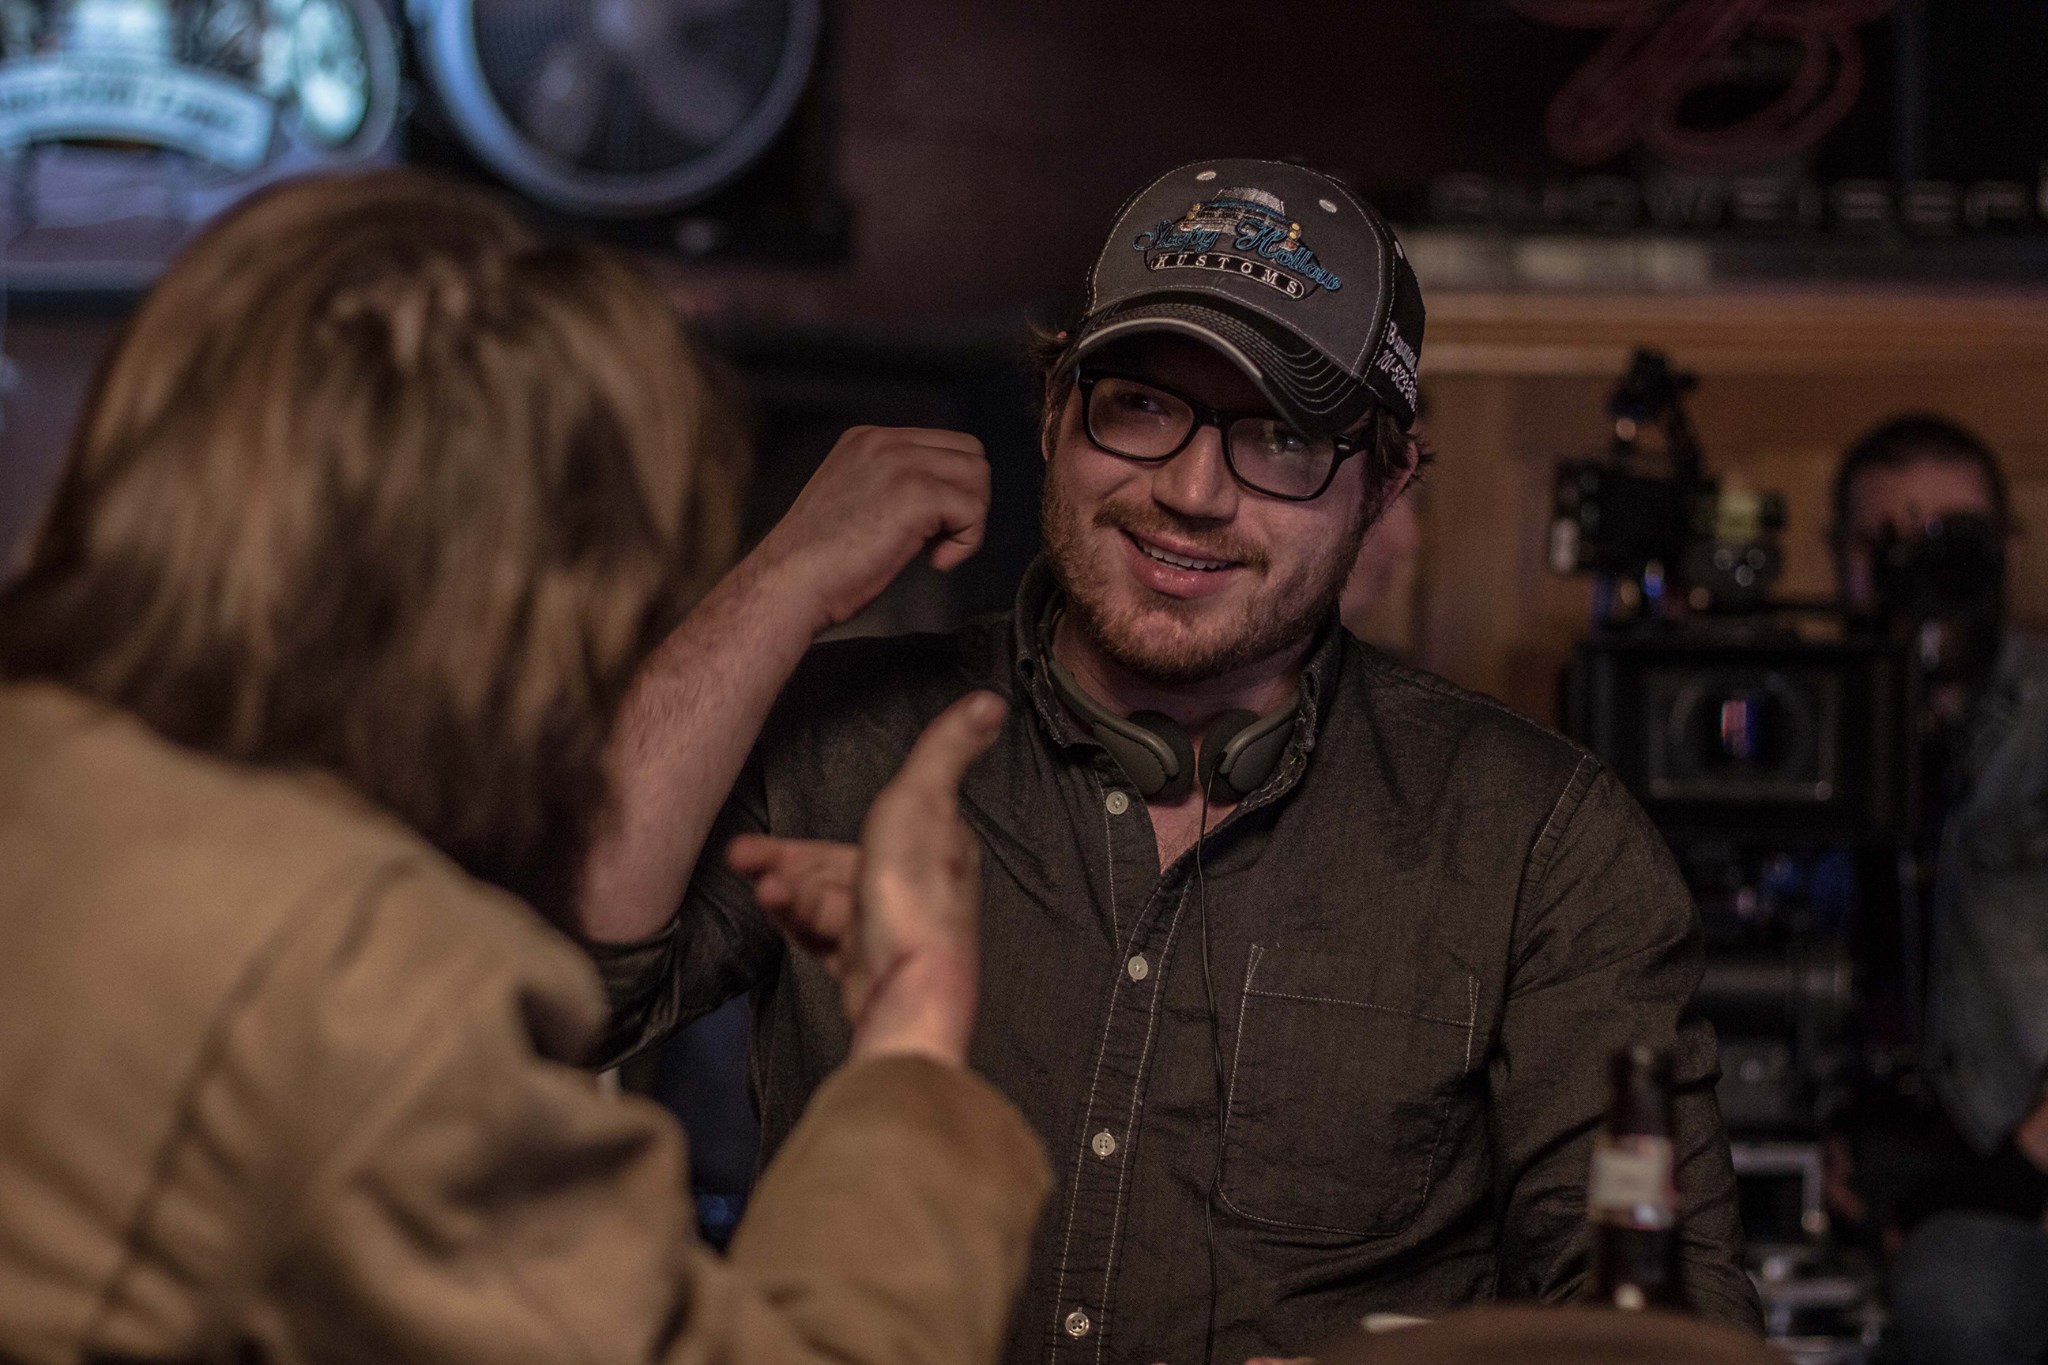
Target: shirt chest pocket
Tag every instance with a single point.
(1341, 1084)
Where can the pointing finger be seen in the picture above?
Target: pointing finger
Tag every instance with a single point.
(960, 734)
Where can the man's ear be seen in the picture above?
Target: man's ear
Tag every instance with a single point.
(1398, 485)
(1053, 403)
(1406, 477)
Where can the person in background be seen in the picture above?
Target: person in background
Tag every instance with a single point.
(1964, 1206)
(1306, 966)
(304, 698)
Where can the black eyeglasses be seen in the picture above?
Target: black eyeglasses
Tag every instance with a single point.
(1140, 420)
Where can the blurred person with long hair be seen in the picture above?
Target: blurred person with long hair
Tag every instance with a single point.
(305, 692)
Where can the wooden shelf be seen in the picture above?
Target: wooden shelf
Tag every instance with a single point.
(1804, 331)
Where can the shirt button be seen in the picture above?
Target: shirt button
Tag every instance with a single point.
(1078, 1324)
(1116, 803)
(1138, 967)
(1104, 1144)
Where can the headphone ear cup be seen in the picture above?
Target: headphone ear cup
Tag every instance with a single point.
(1174, 785)
(1214, 768)
(1152, 749)
(1240, 750)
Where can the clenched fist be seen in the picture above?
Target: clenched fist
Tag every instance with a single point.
(883, 496)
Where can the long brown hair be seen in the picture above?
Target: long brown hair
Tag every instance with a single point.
(379, 482)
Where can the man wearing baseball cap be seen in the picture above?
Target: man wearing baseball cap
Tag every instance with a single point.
(1307, 966)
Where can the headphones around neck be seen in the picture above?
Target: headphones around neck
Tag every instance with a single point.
(1240, 750)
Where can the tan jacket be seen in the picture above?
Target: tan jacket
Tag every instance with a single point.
(278, 1081)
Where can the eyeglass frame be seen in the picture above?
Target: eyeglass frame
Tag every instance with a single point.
(1085, 379)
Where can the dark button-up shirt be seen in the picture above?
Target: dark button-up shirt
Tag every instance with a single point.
(1426, 934)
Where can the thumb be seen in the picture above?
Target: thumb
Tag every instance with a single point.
(961, 734)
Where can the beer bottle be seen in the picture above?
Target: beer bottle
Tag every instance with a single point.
(1631, 1195)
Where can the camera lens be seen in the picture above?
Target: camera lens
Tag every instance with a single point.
(1734, 726)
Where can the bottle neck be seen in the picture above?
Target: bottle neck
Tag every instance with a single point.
(1643, 1106)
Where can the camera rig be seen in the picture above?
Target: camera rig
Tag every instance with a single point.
(1684, 541)
(1731, 715)
(1775, 745)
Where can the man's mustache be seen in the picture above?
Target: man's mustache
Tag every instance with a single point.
(1203, 542)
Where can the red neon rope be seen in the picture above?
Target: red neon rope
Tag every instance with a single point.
(1632, 88)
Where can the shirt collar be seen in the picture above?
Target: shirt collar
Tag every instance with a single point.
(1039, 599)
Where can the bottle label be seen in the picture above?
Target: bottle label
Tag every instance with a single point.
(1631, 1183)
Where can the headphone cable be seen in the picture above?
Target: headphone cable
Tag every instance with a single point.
(1216, 1056)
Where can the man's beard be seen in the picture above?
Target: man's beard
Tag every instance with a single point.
(1274, 622)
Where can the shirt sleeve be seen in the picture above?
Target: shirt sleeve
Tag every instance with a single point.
(1608, 952)
(718, 945)
(1989, 1017)
(489, 1203)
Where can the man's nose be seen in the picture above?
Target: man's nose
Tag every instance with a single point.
(1197, 483)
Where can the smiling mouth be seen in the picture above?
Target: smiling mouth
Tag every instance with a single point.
(1182, 561)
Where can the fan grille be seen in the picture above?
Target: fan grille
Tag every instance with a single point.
(619, 108)
(571, 91)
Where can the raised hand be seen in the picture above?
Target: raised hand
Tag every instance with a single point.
(882, 496)
(897, 919)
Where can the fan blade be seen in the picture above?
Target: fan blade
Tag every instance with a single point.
(699, 11)
(692, 99)
(565, 103)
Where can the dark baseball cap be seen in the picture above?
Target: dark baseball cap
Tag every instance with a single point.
(1281, 268)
